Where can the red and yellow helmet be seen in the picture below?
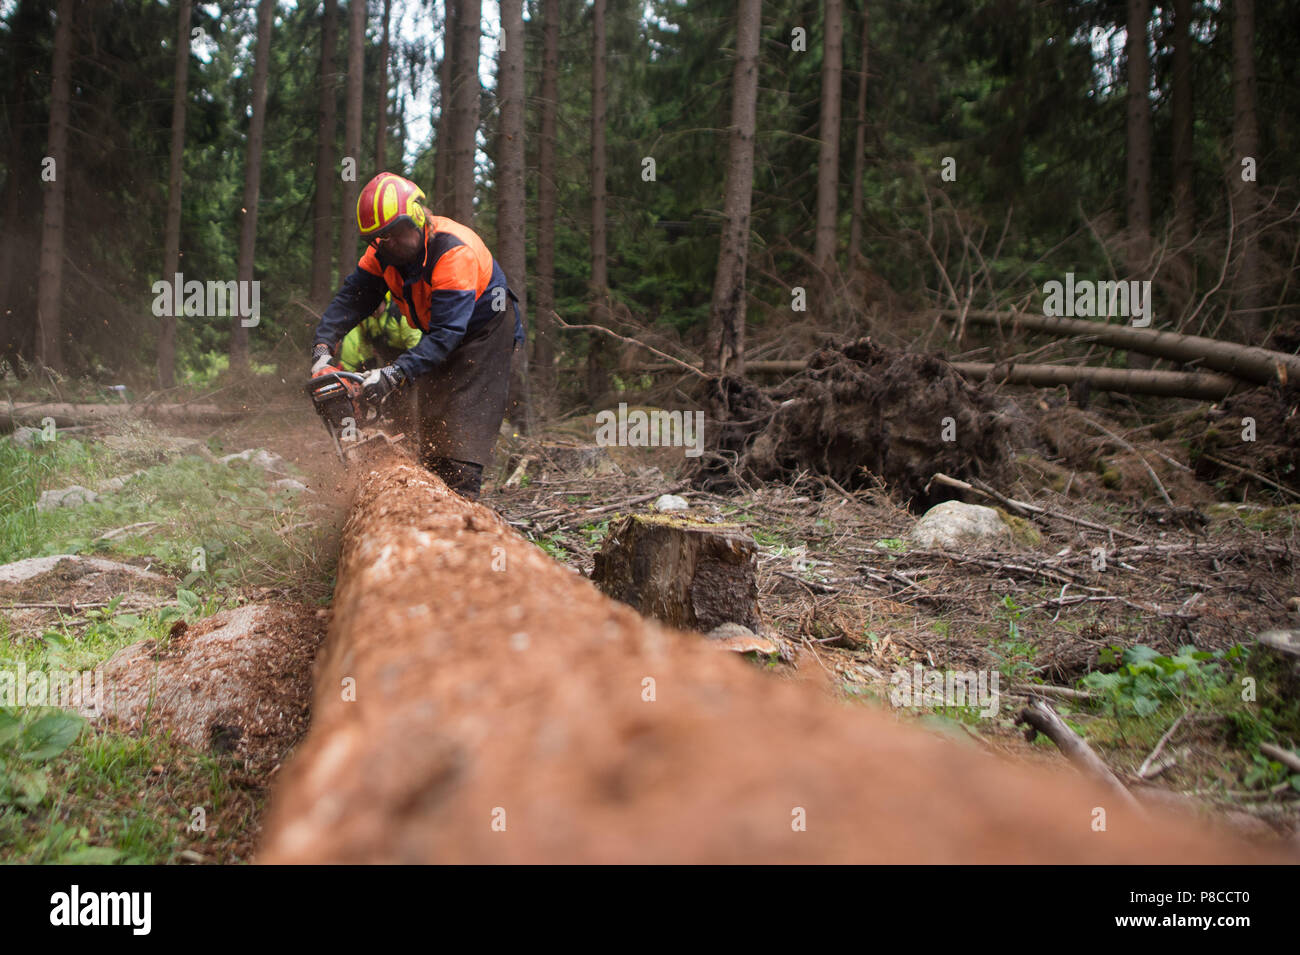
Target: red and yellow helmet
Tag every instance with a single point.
(387, 200)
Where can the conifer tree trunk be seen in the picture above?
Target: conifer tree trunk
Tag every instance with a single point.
(1247, 290)
(726, 351)
(442, 150)
(1138, 171)
(381, 124)
(511, 222)
(252, 178)
(323, 221)
(597, 373)
(49, 296)
(828, 163)
(1138, 191)
(354, 101)
(543, 365)
(175, 176)
(860, 147)
(465, 106)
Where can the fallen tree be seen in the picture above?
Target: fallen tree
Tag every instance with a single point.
(67, 415)
(1172, 384)
(1247, 362)
(478, 702)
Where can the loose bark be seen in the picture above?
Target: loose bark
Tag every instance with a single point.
(252, 178)
(1258, 365)
(597, 373)
(323, 222)
(353, 103)
(828, 162)
(860, 147)
(726, 351)
(49, 298)
(1247, 290)
(175, 175)
(544, 327)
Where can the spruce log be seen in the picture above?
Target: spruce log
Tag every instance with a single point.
(1247, 362)
(1171, 384)
(478, 702)
(1202, 385)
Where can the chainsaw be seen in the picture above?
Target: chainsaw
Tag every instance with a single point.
(352, 423)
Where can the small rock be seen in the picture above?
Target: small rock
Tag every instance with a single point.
(671, 502)
(260, 457)
(27, 437)
(952, 523)
(73, 496)
(117, 483)
(289, 484)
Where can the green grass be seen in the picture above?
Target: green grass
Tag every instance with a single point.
(97, 796)
(221, 518)
(75, 792)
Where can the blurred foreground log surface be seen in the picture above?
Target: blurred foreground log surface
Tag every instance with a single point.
(476, 701)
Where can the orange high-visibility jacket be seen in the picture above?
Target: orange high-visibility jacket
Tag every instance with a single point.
(457, 288)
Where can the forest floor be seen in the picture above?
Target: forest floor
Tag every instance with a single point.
(1156, 635)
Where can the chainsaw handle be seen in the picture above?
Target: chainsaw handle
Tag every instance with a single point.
(350, 384)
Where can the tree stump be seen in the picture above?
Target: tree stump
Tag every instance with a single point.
(689, 575)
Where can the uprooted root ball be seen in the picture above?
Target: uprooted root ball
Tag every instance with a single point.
(857, 413)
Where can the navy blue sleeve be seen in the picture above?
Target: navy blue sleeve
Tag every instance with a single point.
(360, 295)
(450, 314)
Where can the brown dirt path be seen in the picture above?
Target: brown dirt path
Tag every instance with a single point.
(501, 715)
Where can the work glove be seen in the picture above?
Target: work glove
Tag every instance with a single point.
(321, 359)
(379, 384)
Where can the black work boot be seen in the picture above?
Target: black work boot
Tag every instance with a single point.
(463, 477)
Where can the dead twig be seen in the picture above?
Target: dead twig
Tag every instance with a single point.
(1046, 689)
(629, 341)
(1134, 451)
(1249, 473)
(1287, 758)
(1147, 764)
(1041, 718)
